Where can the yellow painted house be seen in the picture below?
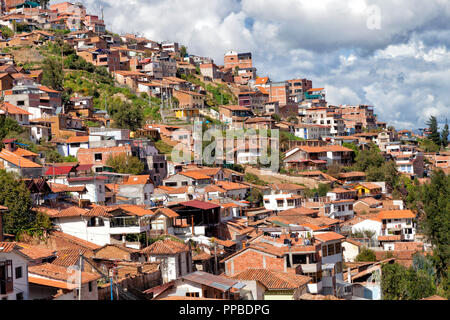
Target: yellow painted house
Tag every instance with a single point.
(187, 113)
(368, 189)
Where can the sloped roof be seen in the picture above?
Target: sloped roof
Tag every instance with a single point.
(59, 273)
(135, 180)
(17, 160)
(328, 236)
(12, 109)
(199, 204)
(396, 214)
(274, 280)
(34, 252)
(166, 246)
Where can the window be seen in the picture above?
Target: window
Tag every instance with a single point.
(20, 103)
(145, 196)
(350, 207)
(179, 265)
(331, 249)
(90, 286)
(184, 183)
(193, 294)
(18, 272)
(98, 157)
(290, 202)
(324, 251)
(280, 203)
(338, 248)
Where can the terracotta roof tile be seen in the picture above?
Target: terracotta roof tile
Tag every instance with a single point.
(135, 180)
(74, 242)
(166, 246)
(79, 139)
(35, 252)
(274, 280)
(329, 236)
(396, 214)
(17, 160)
(68, 257)
(59, 273)
(12, 109)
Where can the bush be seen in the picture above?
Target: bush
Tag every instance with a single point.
(366, 255)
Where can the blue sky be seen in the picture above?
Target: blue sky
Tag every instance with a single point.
(393, 55)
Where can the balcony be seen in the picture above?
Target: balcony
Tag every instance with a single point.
(311, 267)
(125, 225)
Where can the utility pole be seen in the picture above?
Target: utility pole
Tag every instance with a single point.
(79, 276)
(215, 257)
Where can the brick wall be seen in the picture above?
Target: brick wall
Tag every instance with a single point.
(253, 259)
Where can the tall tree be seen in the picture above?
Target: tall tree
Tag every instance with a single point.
(53, 75)
(126, 115)
(444, 135)
(436, 225)
(15, 196)
(394, 282)
(183, 51)
(433, 128)
(419, 285)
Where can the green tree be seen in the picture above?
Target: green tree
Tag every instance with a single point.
(444, 135)
(436, 225)
(433, 127)
(126, 115)
(15, 196)
(6, 32)
(183, 51)
(428, 145)
(369, 158)
(9, 127)
(419, 285)
(53, 75)
(352, 146)
(126, 164)
(366, 255)
(394, 282)
(255, 197)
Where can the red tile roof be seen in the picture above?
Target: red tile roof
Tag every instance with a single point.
(59, 273)
(199, 204)
(35, 252)
(396, 214)
(274, 280)
(135, 180)
(166, 246)
(60, 170)
(8, 246)
(79, 139)
(195, 175)
(17, 160)
(12, 109)
(77, 242)
(328, 236)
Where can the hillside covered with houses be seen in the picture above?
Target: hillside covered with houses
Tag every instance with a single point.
(92, 124)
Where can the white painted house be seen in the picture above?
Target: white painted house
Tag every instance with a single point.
(173, 254)
(281, 202)
(103, 225)
(13, 272)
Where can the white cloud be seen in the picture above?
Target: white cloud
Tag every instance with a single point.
(394, 68)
